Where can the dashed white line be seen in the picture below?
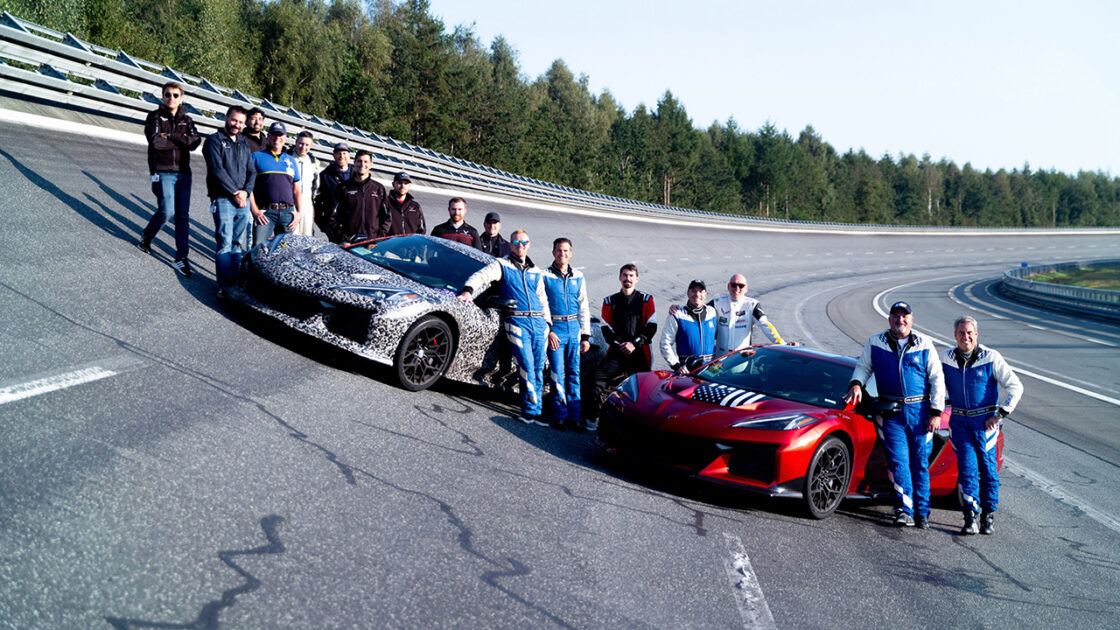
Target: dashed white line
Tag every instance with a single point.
(745, 587)
(55, 382)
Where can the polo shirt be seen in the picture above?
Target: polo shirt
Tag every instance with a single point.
(275, 176)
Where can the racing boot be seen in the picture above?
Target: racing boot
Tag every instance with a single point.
(971, 527)
(902, 519)
(986, 519)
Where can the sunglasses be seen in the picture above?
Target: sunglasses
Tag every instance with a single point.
(172, 95)
(737, 285)
(518, 243)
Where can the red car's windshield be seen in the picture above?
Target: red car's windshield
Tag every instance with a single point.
(794, 376)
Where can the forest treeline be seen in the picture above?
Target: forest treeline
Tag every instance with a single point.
(393, 68)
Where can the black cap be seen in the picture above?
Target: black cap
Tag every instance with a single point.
(697, 284)
(402, 177)
(278, 128)
(492, 217)
(902, 306)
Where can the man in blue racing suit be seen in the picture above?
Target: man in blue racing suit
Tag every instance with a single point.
(689, 338)
(982, 390)
(527, 327)
(908, 371)
(570, 336)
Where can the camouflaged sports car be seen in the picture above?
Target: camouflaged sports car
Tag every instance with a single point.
(390, 300)
(768, 419)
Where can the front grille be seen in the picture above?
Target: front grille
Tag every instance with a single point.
(283, 299)
(753, 461)
(349, 322)
(672, 449)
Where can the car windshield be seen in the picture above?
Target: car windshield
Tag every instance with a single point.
(793, 376)
(424, 260)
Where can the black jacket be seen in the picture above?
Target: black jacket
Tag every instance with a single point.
(171, 138)
(401, 217)
(496, 246)
(229, 165)
(360, 204)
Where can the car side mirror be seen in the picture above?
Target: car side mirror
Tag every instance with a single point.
(504, 304)
(879, 407)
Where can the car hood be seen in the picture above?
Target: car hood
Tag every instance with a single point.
(325, 270)
(690, 405)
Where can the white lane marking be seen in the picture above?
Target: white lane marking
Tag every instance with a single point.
(1049, 487)
(1023, 317)
(1016, 364)
(50, 384)
(745, 588)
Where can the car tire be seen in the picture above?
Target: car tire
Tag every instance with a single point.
(828, 476)
(424, 354)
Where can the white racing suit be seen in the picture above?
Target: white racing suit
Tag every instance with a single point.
(735, 322)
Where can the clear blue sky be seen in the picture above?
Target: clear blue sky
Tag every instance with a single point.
(998, 84)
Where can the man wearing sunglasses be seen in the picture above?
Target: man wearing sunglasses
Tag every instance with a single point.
(171, 138)
(527, 326)
(737, 315)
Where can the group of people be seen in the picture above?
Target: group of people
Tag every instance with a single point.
(551, 320)
(251, 180)
(979, 386)
(257, 189)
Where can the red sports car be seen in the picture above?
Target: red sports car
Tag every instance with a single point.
(769, 419)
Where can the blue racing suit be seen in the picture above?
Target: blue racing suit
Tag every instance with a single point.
(527, 326)
(571, 322)
(909, 373)
(689, 339)
(973, 384)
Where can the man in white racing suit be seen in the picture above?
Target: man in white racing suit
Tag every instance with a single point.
(736, 317)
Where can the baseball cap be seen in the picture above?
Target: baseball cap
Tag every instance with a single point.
(492, 217)
(278, 127)
(341, 146)
(902, 306)
(402, 177)
(697, 284)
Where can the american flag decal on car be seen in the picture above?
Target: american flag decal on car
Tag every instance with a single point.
(725, 395)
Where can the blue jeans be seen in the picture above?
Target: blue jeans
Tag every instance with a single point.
(231, 226)
(278, 222)
(173, 197)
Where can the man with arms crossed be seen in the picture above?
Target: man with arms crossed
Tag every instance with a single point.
(982, 390)
(908, 371)
(629, 324)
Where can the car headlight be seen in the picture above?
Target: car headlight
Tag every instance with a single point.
(385, 294)
(787, 422)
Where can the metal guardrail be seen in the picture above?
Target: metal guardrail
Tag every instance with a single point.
(1098, 302)
(38, 63)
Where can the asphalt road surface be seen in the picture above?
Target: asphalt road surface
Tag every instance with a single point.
(166, 463)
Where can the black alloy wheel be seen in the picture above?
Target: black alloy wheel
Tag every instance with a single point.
(424, 354)
(826, 481)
